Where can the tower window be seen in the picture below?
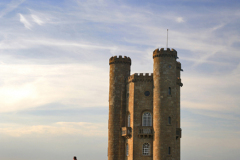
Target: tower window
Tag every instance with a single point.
(147, 93)
(127, 149)
(169, 120)
(169, 91)
(128, 120)
(146, 119)
(146, 149)
(169, 150)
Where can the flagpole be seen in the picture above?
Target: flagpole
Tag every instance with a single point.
(167, 38)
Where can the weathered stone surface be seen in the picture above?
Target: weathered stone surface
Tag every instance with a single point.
(119, 71)
(139, 93)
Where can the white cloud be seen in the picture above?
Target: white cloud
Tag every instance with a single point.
(179, 19)
(59, 128)
(25, 22)
(10, 7)
(37, 20)
(28, 86)
(203, 94)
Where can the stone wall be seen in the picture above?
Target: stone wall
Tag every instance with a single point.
(139, 103)
(119, 71)
(164, 104)
(157, 93)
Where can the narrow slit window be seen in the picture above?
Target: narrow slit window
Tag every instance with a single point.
(127, 149)
(128, 120)
(169, 150)
(169, 91)
(169, 120)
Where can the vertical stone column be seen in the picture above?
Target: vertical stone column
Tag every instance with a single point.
(119, 71)
(164, 104)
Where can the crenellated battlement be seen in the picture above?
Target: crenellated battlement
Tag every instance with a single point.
(120, 59)
(165, 53)
(140, 77)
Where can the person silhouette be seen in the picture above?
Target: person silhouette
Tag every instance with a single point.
(74, 158)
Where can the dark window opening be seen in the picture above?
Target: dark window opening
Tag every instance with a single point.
(169, 150)
(169, 120)
(169, 91)
(127, 149)
(147, 93)
(128, 120)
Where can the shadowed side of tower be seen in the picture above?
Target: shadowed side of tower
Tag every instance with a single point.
(179, 130)
(119, 71)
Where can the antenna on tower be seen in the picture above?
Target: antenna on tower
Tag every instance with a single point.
(167, 38)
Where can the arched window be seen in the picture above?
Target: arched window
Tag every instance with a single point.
(169, 91)
(169, 150)
(146, 119)
(169, 120)
(146, 149)
(127, 149)
(128, 120)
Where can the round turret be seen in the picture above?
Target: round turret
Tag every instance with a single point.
(164, 103)
(119, 71)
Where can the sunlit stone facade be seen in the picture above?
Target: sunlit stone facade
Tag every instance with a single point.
(144, 109)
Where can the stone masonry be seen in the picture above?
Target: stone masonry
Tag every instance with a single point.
(144, 109)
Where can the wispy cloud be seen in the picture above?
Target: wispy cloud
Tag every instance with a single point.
(25, 22)
(179, 19)
(37, 20)
(59, 128)
(212, 96)
(63, 61)
(10, 7)
(31, 86)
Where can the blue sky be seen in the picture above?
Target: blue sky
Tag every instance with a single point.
(55, 73)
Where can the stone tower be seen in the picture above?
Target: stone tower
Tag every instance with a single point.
(144, 109)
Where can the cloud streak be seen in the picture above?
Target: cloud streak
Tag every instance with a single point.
(37, 20)
(25, 22)
(59, 128)
(29, 86)
(10, 7)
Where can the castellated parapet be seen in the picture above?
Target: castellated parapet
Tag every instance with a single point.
(120, 59)
(165, 53)
(144, 109)
(140, 77)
